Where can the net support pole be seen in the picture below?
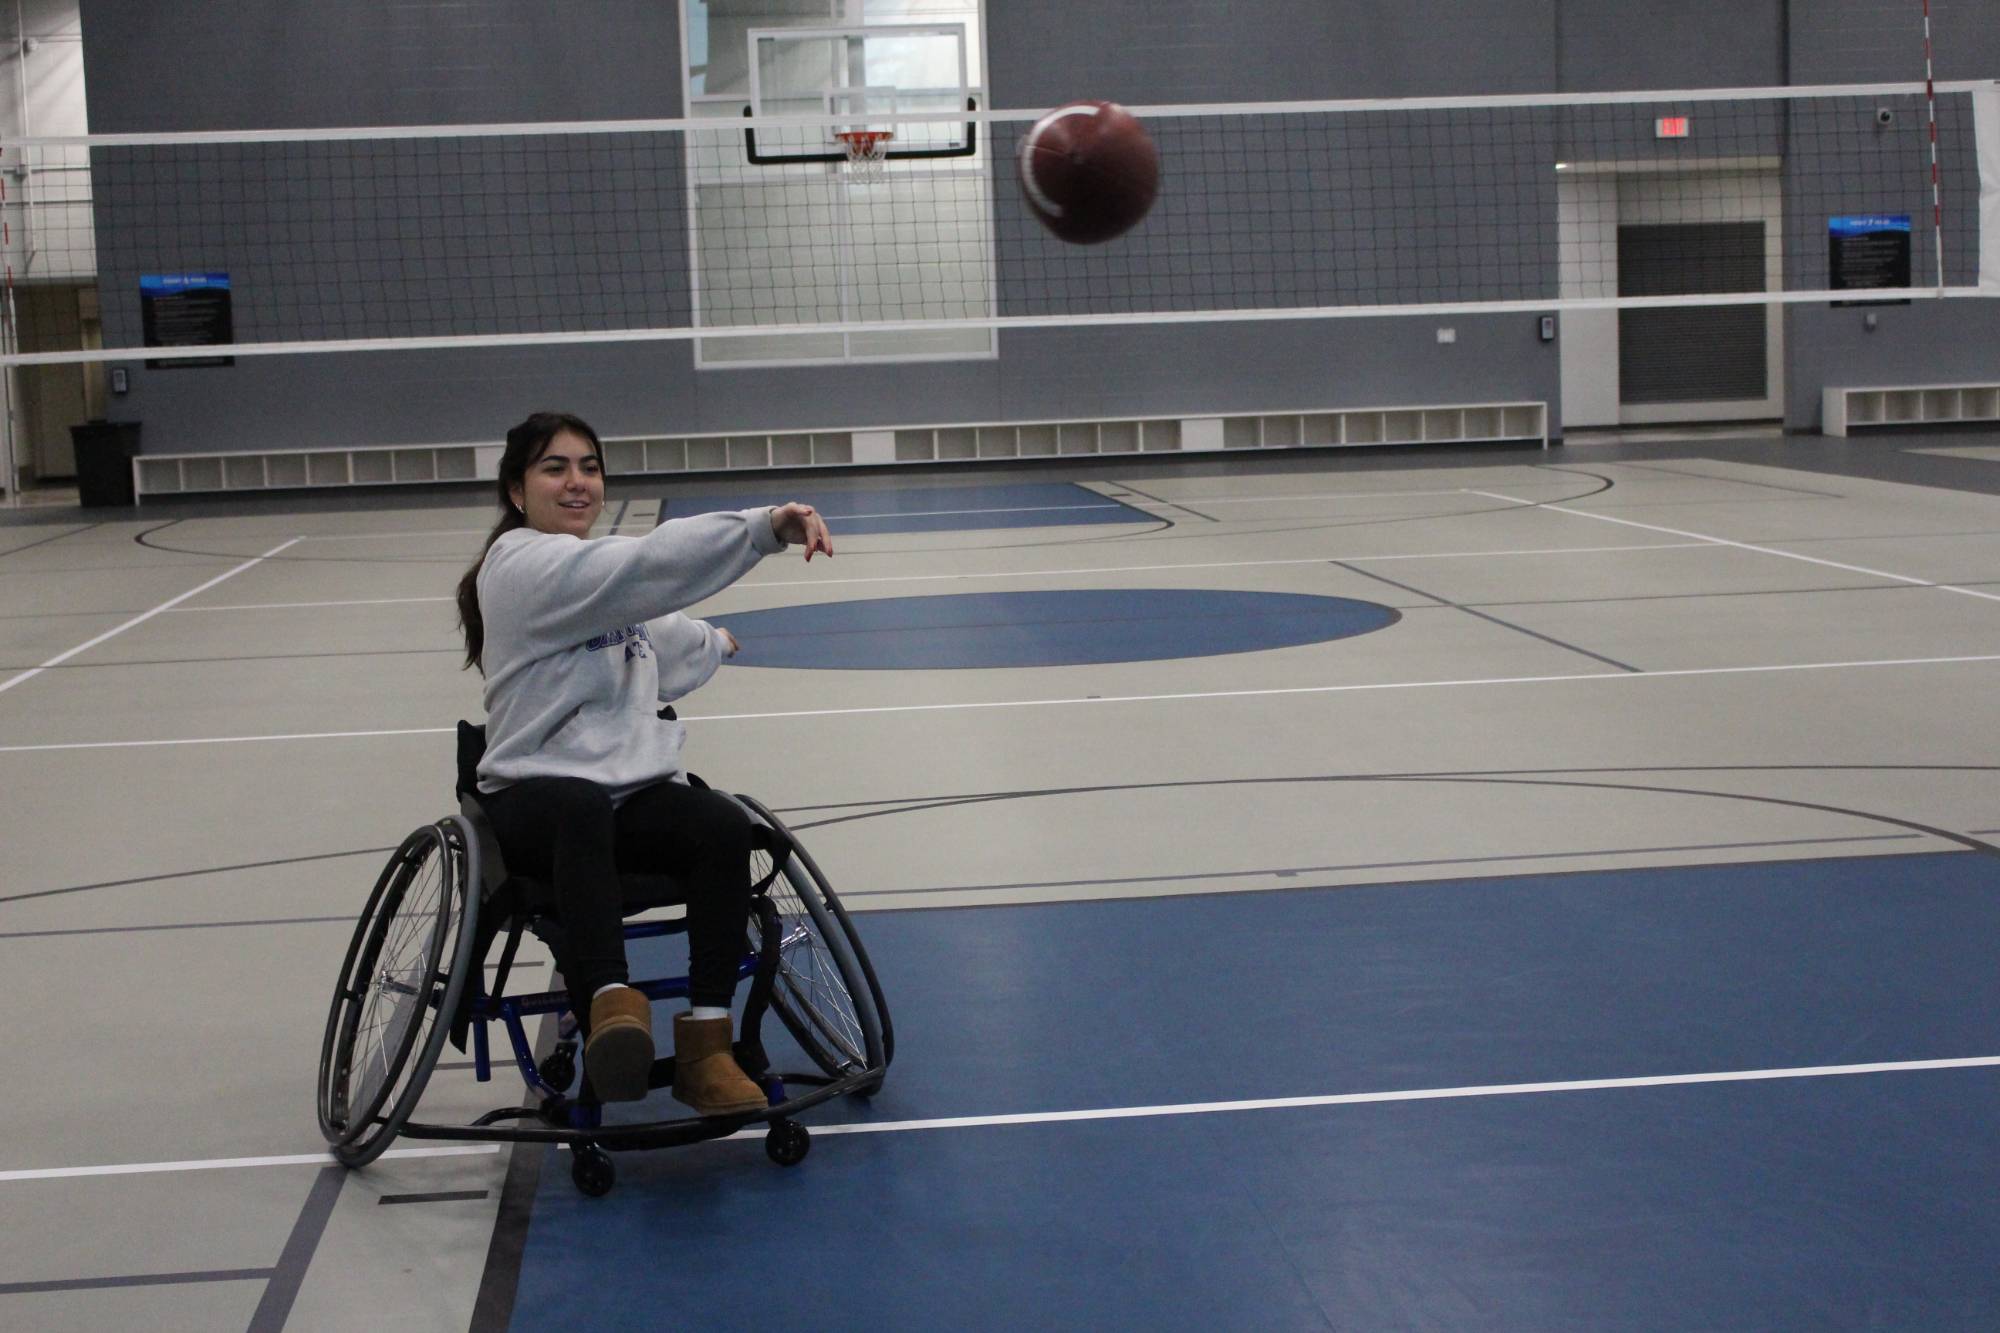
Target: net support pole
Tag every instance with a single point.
(1986, 135)
(1937, 192)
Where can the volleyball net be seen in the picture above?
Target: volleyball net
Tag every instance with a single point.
(759, 240)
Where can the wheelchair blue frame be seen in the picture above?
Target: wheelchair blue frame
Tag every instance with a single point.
(807, 966)
(511, 1009)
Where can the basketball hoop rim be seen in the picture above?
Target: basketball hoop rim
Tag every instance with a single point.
(862, 144)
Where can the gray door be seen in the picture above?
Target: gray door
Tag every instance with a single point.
(1692, 354)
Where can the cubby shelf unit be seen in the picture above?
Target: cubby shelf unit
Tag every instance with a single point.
(385, 465)
(295, 469)
(1843, 409)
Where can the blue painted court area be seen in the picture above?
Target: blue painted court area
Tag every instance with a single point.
(1803, 1202)
(926, 508)
(1032, 629)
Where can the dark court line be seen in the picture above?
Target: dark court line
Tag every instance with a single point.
(1733, 481)
(174, 925)
(138, 1280)
(16, 550)
(73, 615)
(1168, 503)
(247, 657)
(519, 966)
(897, 805)
(283, 1288)
(500, 1278)
(1504, 624)
(1748, 592)
(193, 874)
(442, 1196)
(1289, 872)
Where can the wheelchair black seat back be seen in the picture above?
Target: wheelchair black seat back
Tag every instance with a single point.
(415, 975)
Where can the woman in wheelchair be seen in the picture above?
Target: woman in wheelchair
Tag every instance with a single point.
(584, 648)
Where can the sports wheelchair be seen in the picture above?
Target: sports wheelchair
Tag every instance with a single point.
(415, 975)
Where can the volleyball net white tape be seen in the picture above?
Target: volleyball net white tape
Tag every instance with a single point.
(745, 235)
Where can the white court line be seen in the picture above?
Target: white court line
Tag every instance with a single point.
(1112, 1113)
(1412, 1095)
(898, 513)
(232, 1163)
(227, 740)
(356, 601)
(1364, 559)
(1048, 573)
(1747, 546)
(1577, 678)
(1133, 502)
(60, 658)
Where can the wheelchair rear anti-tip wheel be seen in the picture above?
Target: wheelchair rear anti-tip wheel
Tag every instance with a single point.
(591, 1170)
(400, 983)
(825, 991)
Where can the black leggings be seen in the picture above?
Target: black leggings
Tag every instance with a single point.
(564, 831)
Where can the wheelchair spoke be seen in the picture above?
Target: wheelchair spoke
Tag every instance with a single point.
(811, 991)
(401, 983)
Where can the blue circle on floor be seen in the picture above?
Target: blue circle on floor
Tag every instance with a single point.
(1033, 629)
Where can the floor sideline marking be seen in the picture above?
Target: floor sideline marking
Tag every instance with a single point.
(140, 619)
(1746, 546)
(1103, 1113)
(1575, 678)
(230, 1163)
(352, 601)
(935, 513)
(1409, 1095)
(1051, 573)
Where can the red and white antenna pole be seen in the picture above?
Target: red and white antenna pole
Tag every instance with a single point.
(1937, 193)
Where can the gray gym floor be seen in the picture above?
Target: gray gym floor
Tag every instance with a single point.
(216, 720)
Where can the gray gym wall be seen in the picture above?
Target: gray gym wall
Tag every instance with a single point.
(166, 65)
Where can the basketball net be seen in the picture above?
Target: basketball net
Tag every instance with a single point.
(867, 150)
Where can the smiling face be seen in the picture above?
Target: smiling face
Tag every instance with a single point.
(563, 490)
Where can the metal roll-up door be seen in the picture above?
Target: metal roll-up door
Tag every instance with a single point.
(1692, 354)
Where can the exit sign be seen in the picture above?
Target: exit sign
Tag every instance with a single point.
(1670, 127)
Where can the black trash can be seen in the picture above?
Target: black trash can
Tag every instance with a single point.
(104, 453)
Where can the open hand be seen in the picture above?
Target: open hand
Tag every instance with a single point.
(800, 525)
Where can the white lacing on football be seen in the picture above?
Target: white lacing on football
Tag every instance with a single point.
(1028, 182)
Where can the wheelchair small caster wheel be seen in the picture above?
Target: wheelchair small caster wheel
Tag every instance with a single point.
(591, 1168)
(558, 1069)
(788, 1142)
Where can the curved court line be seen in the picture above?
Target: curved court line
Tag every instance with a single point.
(1410, 1095)
(925, 801)
(140, 619)
(1706, 476)
(1363, 687)
(1204, 876)
(1523, 777)
(1965, 840)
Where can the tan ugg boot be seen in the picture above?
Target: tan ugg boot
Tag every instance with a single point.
(619, 1051)
(706, 1075)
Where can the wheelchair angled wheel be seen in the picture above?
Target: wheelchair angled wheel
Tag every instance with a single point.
(825, 991)
(400, 983)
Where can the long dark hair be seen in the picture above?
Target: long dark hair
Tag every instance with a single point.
(525, 443)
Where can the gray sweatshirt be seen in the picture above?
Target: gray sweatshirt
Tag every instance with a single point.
(585, 641)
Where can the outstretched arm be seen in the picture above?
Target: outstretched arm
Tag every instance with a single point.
(800, 525)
